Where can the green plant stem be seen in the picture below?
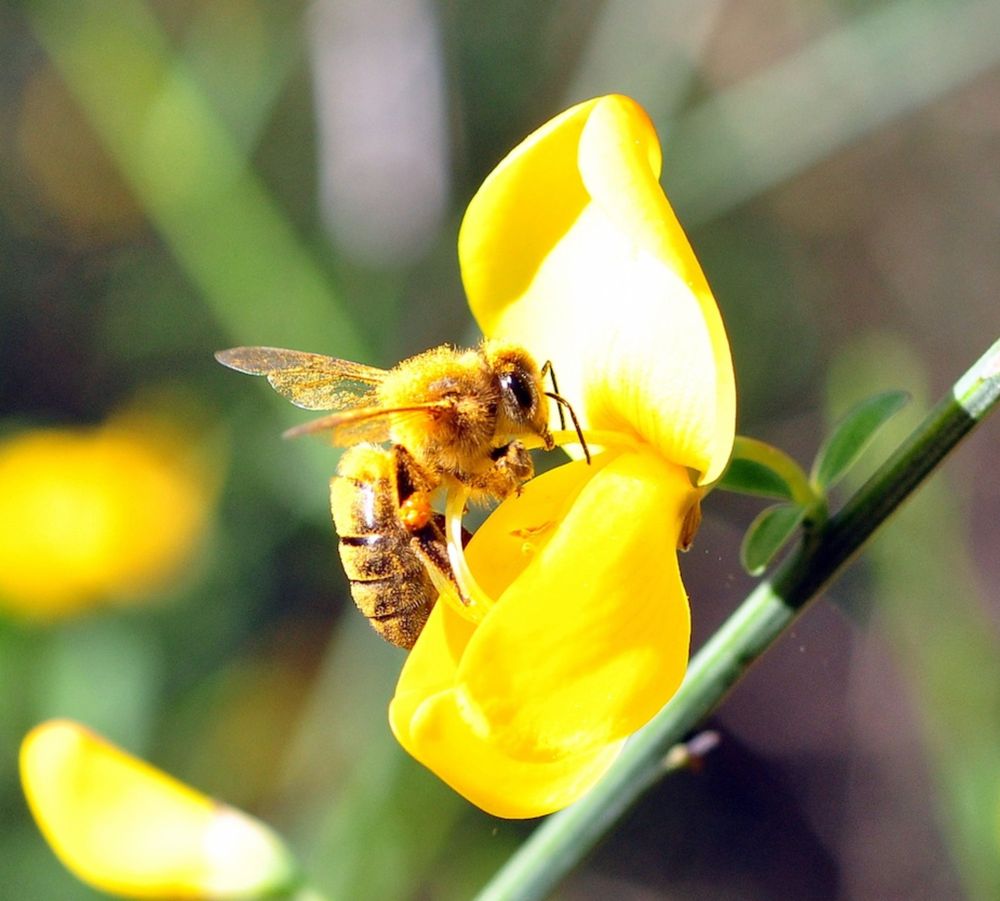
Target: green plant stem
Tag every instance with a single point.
(559, 843)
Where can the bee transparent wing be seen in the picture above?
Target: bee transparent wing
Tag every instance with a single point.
(268, 360)
(313, 391)
(349, 427)
(311, 381)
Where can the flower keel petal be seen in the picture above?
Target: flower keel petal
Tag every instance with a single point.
(440, 738)
(592, 638)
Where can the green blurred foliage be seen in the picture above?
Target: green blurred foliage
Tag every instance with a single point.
(180, 177)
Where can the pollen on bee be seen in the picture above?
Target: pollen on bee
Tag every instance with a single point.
(415, 512)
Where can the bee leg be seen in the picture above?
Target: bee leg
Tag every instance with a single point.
(512, 467)
(429, 544)
(411, 478)
(414, 486)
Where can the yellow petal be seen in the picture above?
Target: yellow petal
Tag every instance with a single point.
(439, 736)
(90, 514)
(571, 248)
(127, 828)
(523, 209)
(592, 637)
(430, 667)
(432, 664)
(56, 522)
(427, 722)
(551, 754)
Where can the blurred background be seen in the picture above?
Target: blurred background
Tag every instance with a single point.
(177, 177)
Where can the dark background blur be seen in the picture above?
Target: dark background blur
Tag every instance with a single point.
(177, 177)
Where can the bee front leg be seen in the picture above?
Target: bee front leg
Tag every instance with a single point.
(511, 468)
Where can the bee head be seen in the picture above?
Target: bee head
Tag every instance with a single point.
(523, 404)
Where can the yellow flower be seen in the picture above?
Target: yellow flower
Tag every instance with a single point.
(571, 249)
(93, 514)
(127, 828)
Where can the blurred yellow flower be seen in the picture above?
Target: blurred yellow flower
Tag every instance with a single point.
(127, 828)
(93, 514)
(571, 249)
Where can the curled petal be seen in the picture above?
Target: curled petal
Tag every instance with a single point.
(592, 637)
(492, 780)
(430, 667)
(588, 638)
(428, 723)
(129, 829)
(433, 662)
(571, 248)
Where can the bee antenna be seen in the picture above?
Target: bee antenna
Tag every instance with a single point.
(549, 370)
(562, 402)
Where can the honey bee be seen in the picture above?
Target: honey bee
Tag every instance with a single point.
(449, 416)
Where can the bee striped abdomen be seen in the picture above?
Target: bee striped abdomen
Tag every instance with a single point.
(389, 581)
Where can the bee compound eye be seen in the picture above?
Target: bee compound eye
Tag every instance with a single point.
(517, 390)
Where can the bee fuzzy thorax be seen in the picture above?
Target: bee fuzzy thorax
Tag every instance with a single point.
(454, 434)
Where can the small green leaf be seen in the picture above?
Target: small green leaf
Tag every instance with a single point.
(852, 435)
(753, 477)
(767, 535)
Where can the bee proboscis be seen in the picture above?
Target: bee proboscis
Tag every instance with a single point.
(449, 416)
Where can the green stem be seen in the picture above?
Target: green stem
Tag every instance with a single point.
(564, 838)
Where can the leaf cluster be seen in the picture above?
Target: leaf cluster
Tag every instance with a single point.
(759, 469)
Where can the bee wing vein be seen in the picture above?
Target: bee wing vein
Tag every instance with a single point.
(314, 390)
(308, 380)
